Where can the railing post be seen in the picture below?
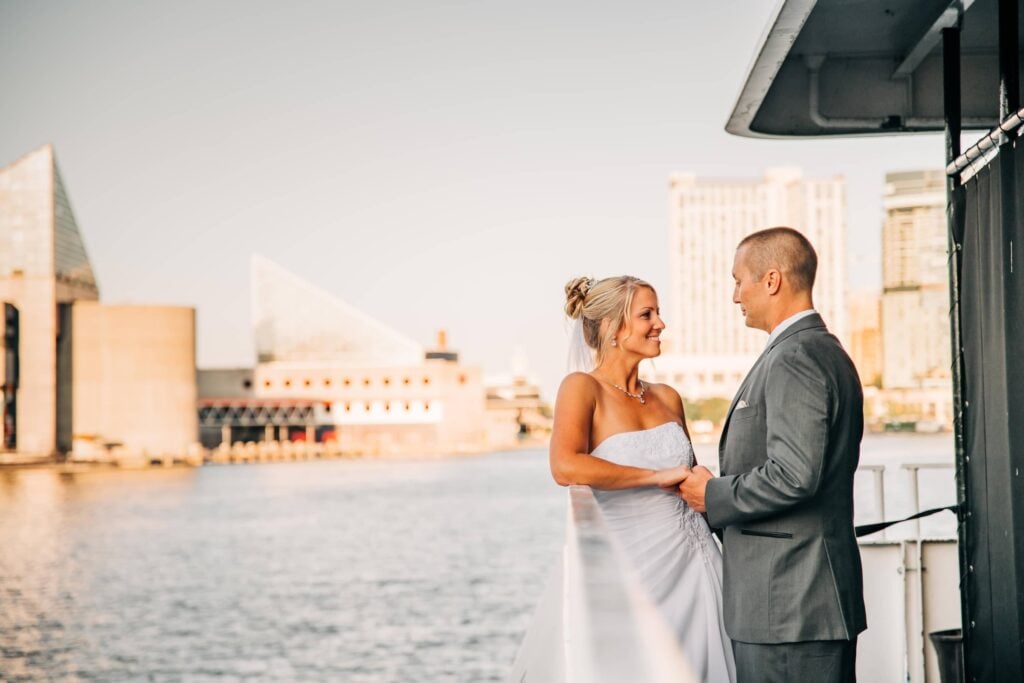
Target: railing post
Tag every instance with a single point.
(955, 222)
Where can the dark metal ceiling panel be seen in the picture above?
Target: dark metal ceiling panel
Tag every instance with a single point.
(856, 67)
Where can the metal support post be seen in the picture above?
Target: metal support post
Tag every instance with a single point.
(955, 223)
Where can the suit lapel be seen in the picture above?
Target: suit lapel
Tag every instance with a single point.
(735, 400)
(807, 323)
(743, 386)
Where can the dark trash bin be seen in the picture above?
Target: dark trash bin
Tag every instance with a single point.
(949, 646)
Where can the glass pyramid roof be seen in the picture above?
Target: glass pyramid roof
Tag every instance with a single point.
(71, 263)
(295, 321)
(38, 232)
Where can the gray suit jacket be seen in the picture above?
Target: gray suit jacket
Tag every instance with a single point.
(788, 454)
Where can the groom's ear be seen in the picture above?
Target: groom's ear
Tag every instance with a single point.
(773, 281)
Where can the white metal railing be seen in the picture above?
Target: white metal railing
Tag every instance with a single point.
(911, 582)
(896, 492)
(595, 623)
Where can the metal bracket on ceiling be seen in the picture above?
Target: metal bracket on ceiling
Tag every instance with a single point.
(932, 36)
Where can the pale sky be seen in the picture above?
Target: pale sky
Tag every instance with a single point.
(446, 164)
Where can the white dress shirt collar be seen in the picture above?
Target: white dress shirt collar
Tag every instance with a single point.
(788, 322)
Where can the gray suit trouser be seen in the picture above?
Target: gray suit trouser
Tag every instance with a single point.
(815, 661)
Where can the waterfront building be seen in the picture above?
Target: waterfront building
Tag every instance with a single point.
(73, 367)
(915, 297)
(327, 372)
(708, 348)
(517, 416)
(44, 268)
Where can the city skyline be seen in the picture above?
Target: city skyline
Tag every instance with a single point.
(449, 169)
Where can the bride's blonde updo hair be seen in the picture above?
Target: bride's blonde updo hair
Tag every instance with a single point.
(594, 300)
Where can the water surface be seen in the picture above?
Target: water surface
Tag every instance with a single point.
(334, 570)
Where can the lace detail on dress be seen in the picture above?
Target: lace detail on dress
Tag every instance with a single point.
(663, 446)
(697, 531)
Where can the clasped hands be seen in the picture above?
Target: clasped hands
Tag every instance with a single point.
(690, 484)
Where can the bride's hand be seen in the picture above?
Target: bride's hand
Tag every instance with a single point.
(672, 477)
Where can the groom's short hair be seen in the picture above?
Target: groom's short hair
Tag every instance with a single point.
(785, 250)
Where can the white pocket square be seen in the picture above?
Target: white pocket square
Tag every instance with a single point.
(741, 404)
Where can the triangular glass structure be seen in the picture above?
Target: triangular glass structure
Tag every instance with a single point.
(38, 232)
(71, 263)
(295, 321)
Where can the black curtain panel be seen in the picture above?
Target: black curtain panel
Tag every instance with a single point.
(992, 317)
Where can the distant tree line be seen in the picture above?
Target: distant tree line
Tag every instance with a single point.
(711, 409)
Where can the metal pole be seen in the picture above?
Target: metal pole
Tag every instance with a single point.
(955, 222)
(919, 669)
(1009, 66)
(1005, 554)
(880, 491)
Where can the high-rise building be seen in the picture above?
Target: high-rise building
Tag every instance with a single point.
(708, 347)
(915, 299)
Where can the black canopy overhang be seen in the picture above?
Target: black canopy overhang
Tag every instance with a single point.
(860, 67)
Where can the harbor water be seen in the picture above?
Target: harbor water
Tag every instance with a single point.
(342, 570)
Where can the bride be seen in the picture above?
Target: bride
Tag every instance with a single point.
(627, 439)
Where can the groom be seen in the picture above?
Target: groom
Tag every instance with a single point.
(791, 568)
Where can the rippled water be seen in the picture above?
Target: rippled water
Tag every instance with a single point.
(422, 570)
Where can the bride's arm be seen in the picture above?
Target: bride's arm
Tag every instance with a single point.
(571, 463)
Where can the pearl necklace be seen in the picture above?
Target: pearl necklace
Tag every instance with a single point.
(639, 396)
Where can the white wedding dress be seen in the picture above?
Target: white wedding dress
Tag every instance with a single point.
(670, 547)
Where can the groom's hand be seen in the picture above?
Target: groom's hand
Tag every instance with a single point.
(692, 488)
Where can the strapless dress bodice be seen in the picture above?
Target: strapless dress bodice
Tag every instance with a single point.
(670, 547)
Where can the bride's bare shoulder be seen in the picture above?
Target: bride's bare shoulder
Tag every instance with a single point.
(579, 382)
(578, 385)
(576, 401)
(668, 395)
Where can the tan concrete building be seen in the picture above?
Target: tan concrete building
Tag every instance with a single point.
(708, 348)
(133, 376)
(45, 274)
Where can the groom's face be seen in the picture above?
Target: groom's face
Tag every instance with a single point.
(750, 293)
